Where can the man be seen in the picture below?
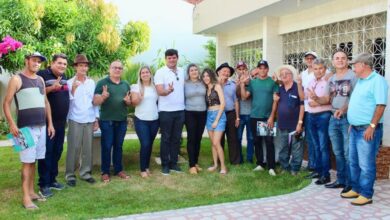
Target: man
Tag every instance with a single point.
(32, 110)
(365, 114)
(262, 90)
(169, 81)
(58, 96)
(113, 96)
(341, 85)
(290, 119)
(319, 115)
(232, 110)
(245, 111)
(307, 76)
(82, 120)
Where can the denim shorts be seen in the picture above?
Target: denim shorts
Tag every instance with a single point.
(211, 115)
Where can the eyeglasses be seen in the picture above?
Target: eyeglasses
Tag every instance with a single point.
(117, 68)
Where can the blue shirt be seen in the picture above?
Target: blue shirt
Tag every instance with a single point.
(229, 93)
(288, 107)
(367, 93)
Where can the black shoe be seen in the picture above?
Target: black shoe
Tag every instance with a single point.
(334, 185)
(346, 189)
(312, 175)
(175, 168)
(323, 180)
(90, 180)
(57, 186)
(45, 192)
(165, 171)
(71, 183)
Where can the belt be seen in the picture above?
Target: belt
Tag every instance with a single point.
(319, 113)
(379, 125)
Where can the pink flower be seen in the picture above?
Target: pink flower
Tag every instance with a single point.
(9, 44)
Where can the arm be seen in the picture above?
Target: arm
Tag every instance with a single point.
(136, 98)
(164, 92)
(13, 86)
(56, 86)
(270, 121)
(99, 99)
(300, 119)
(369, 132)
(50, 128)
(237, 107)
(244, 93)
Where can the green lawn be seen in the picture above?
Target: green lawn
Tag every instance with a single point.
(139, 195)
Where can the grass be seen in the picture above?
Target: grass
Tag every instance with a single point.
(139, 195)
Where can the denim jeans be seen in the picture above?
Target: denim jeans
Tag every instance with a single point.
(308, 138)
(245, 121)
(295, 149)
(113, 134)
(195, 122)
(319, 123)
(338, 133)
(362, 159)
(48, 167)
(171, 126)
(146, 132)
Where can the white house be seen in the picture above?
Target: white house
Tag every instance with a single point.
(281, 31)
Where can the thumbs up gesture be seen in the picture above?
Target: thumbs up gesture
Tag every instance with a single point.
(127, 98)
(105, 93)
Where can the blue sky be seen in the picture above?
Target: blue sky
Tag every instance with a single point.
(170, 22)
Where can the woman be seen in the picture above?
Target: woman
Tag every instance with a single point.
(195, 115)
(216, 118)
(144, 97)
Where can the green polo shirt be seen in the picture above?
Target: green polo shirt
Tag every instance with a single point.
(114, 108)
(262, 91)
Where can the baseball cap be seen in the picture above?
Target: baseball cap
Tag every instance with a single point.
(241, 64)
(263, 62)
(36, 54)
(314, 54)
(365, 58)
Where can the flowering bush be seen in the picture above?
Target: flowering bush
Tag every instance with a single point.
(9, 44)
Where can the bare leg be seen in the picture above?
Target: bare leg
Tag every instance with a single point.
(214, 151)
(217, 145)
(27, 182)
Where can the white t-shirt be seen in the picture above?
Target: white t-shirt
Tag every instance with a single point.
(175, 100)
(307, 77)
(147, 109)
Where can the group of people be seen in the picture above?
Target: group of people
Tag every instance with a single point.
(316, 105)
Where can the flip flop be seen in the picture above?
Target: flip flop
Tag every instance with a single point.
(31, 207)
(39, 198)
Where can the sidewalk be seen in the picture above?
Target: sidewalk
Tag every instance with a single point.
(312, 202)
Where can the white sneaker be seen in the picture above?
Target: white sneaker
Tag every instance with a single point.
(258, 168)
(271, 172)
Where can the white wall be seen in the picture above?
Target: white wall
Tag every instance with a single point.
(386, 123)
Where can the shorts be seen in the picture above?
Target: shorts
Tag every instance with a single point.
(211, 115)
(30, 155)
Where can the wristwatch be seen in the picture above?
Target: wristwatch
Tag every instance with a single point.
(372, 125)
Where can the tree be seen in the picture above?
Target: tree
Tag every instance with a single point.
(211, 57)
(90, 27)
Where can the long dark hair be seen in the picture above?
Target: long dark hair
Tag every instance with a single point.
(212, 75)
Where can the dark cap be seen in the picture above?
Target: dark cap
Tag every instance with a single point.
(36, 54)
(263, 62)
(223, 65)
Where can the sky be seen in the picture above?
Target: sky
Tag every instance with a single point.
(170, 22)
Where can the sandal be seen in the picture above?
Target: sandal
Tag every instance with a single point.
(38, 198)
(223, 172)
(198, 168)
(105, 178)
(30, 207)
(212, 169)
(123, 175)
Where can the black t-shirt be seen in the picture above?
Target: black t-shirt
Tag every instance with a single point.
(58, 99)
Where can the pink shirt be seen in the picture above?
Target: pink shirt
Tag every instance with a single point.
(320, 88)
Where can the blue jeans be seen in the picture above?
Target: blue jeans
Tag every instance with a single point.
(319, 123)
(362, 159)
(48, 167)
(146, 132)
(245, 121)
(309, 143)
(113, 134)
(338, 133)
(295, 149)
(171, 126)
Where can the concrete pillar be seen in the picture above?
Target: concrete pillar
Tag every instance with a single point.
(386, 122)
(272, 43)
(223, 51)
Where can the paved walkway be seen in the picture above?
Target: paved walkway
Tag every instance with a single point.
(312, 202)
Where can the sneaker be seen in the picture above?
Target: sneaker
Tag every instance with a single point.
(90, 180)
(45, 192)
(176, 169)
(57, 186)
(165, 171)
(71, 183)
(271, 172)
(258, 168)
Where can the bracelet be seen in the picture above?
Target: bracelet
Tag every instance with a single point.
(237, 119)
